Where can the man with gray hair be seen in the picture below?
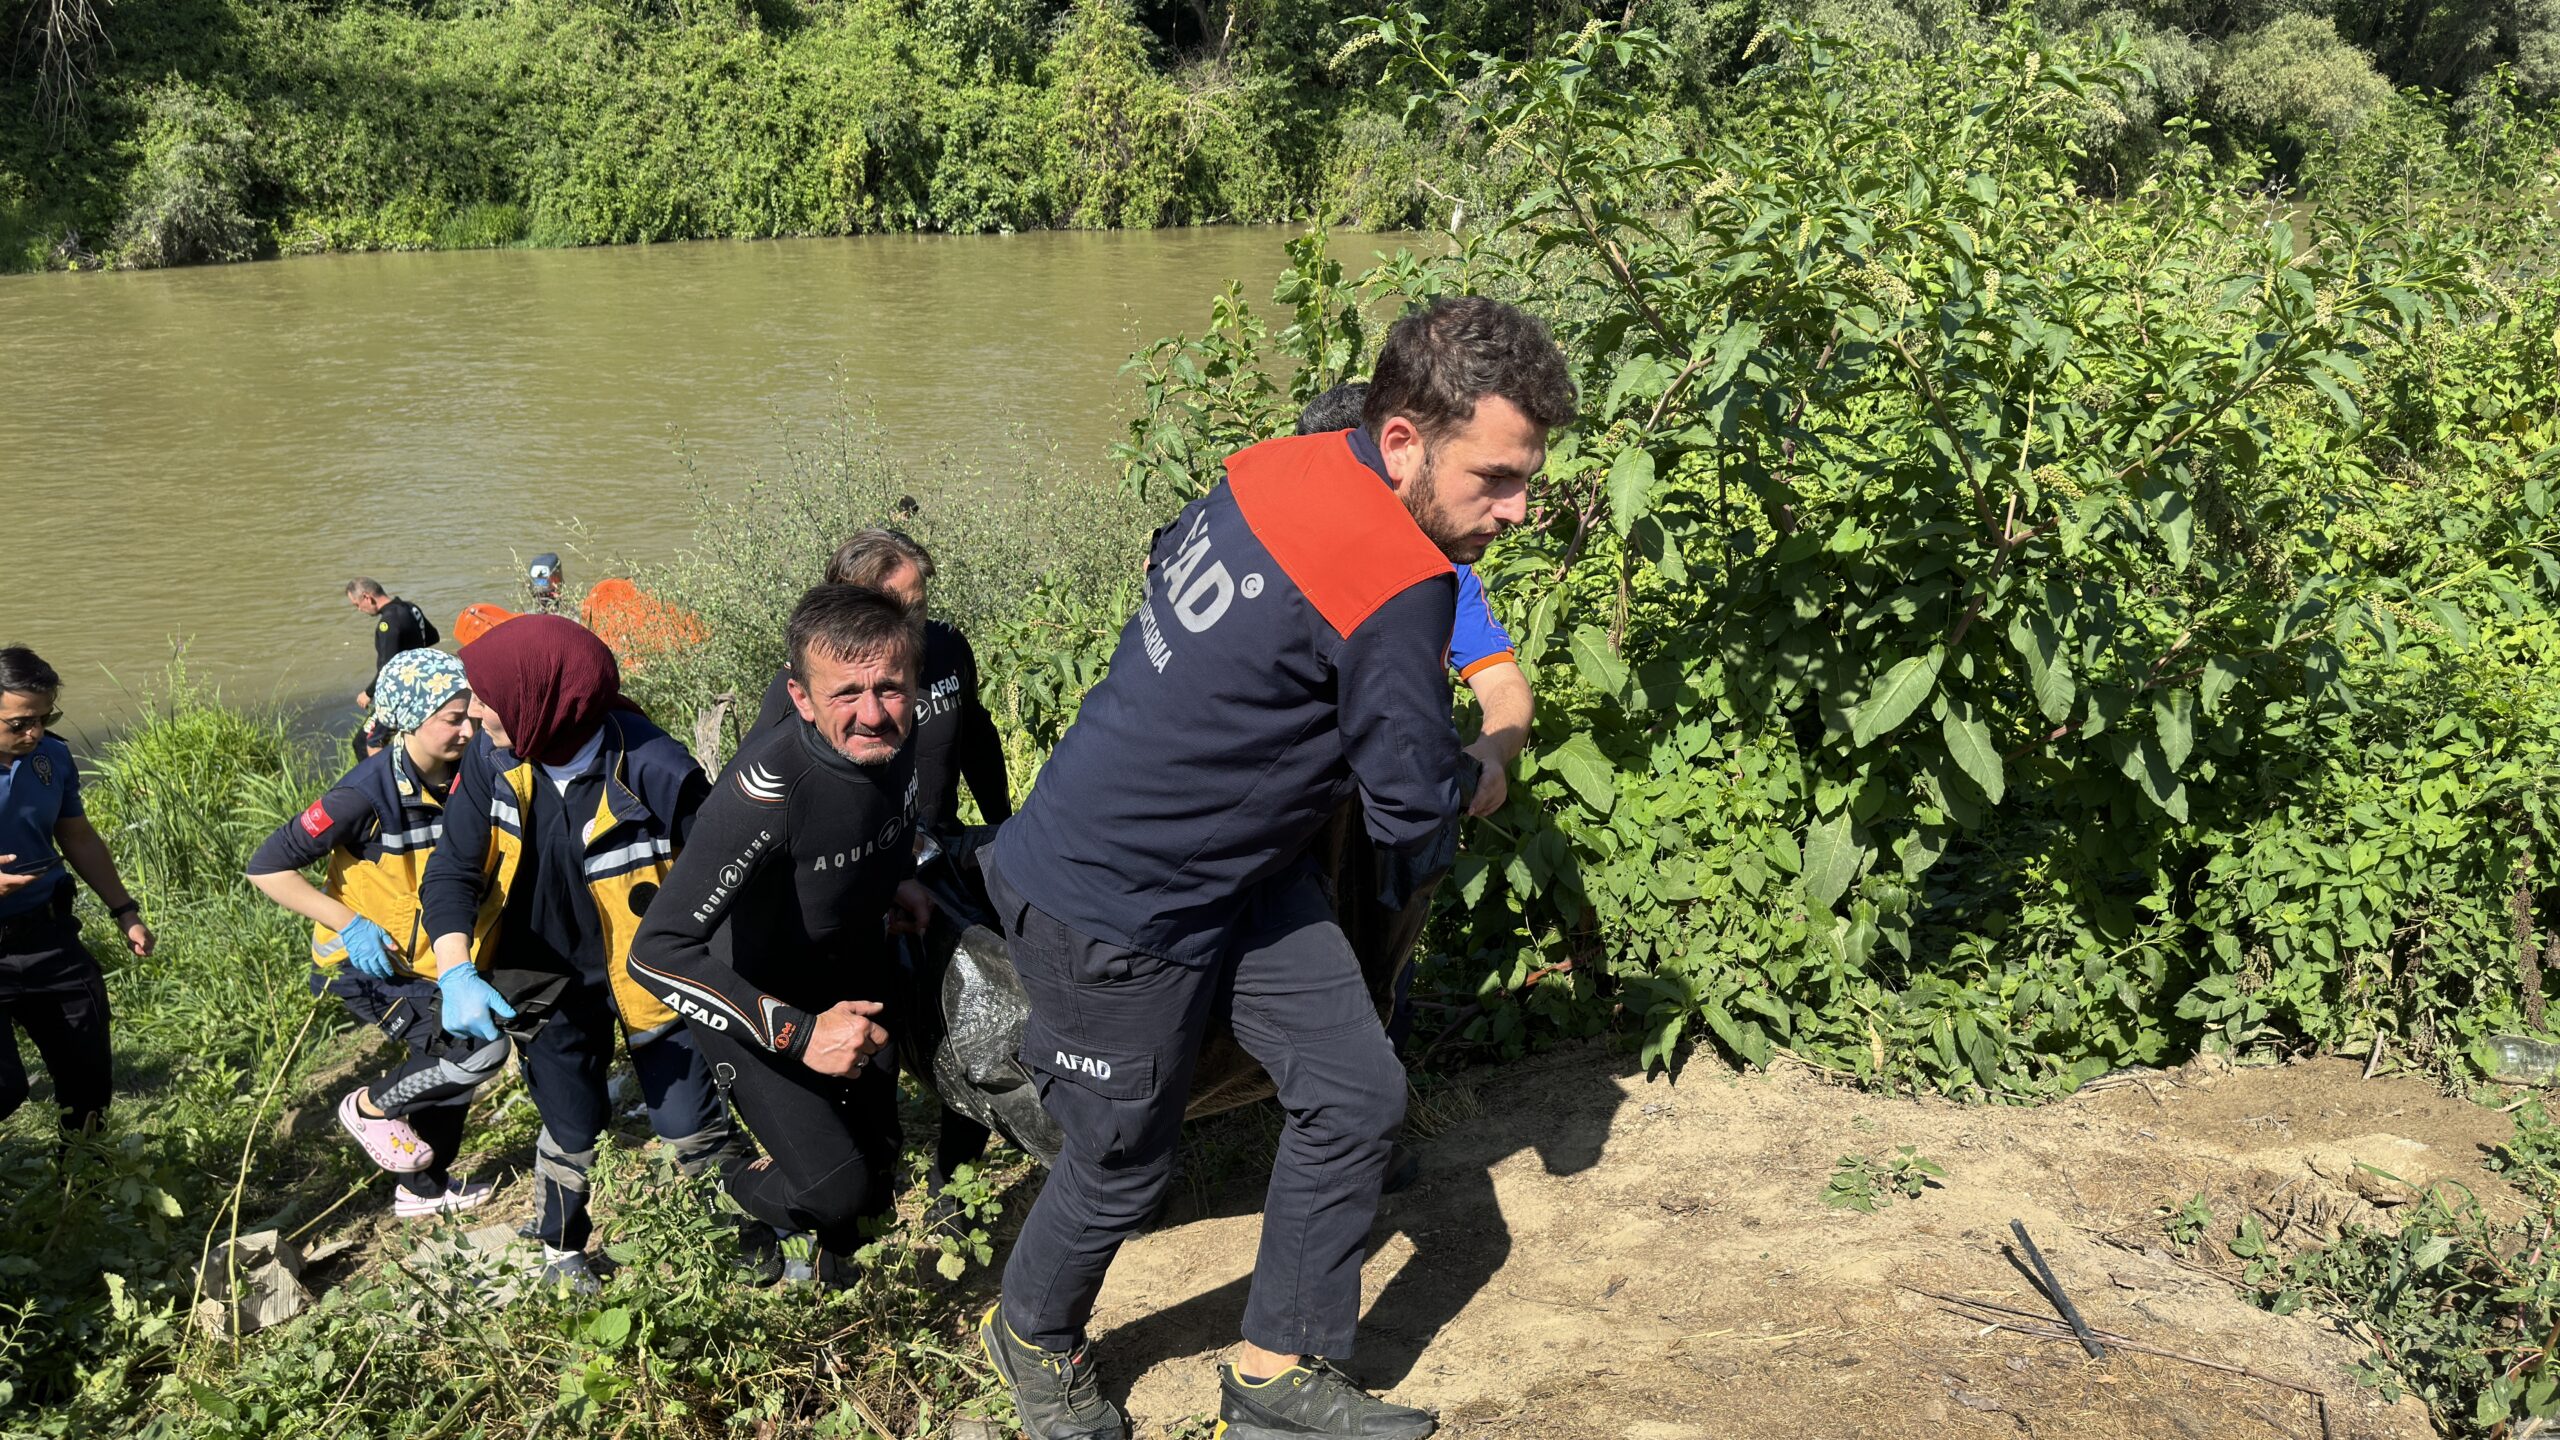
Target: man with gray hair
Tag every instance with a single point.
(398, 625)
(771, 936)
(954, 739)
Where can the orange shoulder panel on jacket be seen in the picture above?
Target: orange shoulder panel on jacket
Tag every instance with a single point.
(1342, 535)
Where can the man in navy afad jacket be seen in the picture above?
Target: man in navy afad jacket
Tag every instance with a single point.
(1288, 655)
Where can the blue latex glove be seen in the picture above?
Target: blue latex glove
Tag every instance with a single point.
(369, 947)
(472, 1006)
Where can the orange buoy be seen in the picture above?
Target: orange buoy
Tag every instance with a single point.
(478, 620)
(637, 624)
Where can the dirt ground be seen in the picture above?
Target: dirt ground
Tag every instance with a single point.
(1591, 1253)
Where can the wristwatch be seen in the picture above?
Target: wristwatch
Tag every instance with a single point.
(130, 907)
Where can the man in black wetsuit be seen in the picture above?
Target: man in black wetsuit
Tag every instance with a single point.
(955, 739)
(398, 625)
(771, 936)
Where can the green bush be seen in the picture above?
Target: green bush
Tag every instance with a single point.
(1038, 567)
(188, 198)
(1982, 639)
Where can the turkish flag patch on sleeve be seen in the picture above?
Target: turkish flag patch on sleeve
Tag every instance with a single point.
(316, 821)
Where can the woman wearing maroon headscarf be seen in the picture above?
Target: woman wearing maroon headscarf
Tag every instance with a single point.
(565, 819)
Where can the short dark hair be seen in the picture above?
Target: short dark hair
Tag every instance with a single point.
(23, 672)
(1335, 409)
(851, 621)
(871, 556)
(1440, 360)
(365, 585)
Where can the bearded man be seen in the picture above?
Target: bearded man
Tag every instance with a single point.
(1288, 656)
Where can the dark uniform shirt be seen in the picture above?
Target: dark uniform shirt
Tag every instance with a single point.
(37, 792)
(1288, 656)
(773, 912)
(955, 738)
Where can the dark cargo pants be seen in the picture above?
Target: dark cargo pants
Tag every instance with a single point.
(52, 988)
(1112, 1040)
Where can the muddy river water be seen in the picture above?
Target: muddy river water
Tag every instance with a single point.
(202, 457)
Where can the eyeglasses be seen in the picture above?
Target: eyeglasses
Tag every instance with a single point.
(21, 724)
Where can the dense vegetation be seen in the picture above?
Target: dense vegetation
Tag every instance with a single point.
(160, 132)
(1984, 637)
(2027, 597)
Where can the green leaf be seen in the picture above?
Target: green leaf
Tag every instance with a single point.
(1584, 768)
(1832, 859)
(2148, 768)
(213, 1402)
(2173, 717)
(1969, 743)
(2346, 405)
(1630, 488)
(1732, 348)
(1655, 542)
(2220, 674)
(611, 1327)
(1904, 687)
(1600, 667)
(2048, 668)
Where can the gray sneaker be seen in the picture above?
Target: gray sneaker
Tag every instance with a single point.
(1308, 1401)
(1055, 1394)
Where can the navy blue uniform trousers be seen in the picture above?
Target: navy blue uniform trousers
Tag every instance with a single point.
(568, 1055)
(1113, 1038)
(52, 988)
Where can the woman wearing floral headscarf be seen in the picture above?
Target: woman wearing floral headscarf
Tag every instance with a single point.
(375, 829)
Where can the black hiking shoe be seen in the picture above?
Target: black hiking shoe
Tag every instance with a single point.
(1308, 1401)
(1055, 1395)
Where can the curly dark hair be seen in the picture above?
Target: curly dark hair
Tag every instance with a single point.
(1440, 360)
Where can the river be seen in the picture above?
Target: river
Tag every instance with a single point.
(202, 457)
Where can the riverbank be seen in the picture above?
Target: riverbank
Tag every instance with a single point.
(216, 130)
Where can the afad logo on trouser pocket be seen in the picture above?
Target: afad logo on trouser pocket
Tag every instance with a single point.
(1068, 1064)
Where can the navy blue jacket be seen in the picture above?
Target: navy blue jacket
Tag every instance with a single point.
(1289, 653)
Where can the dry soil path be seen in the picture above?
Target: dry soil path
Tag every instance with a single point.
(1593, 1253)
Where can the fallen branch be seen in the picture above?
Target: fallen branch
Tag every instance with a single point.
(2040, 1328)
(2046, 1330)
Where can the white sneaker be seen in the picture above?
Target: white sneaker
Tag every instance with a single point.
(459, 1194)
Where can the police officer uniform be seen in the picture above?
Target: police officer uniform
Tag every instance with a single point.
(50, 985)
